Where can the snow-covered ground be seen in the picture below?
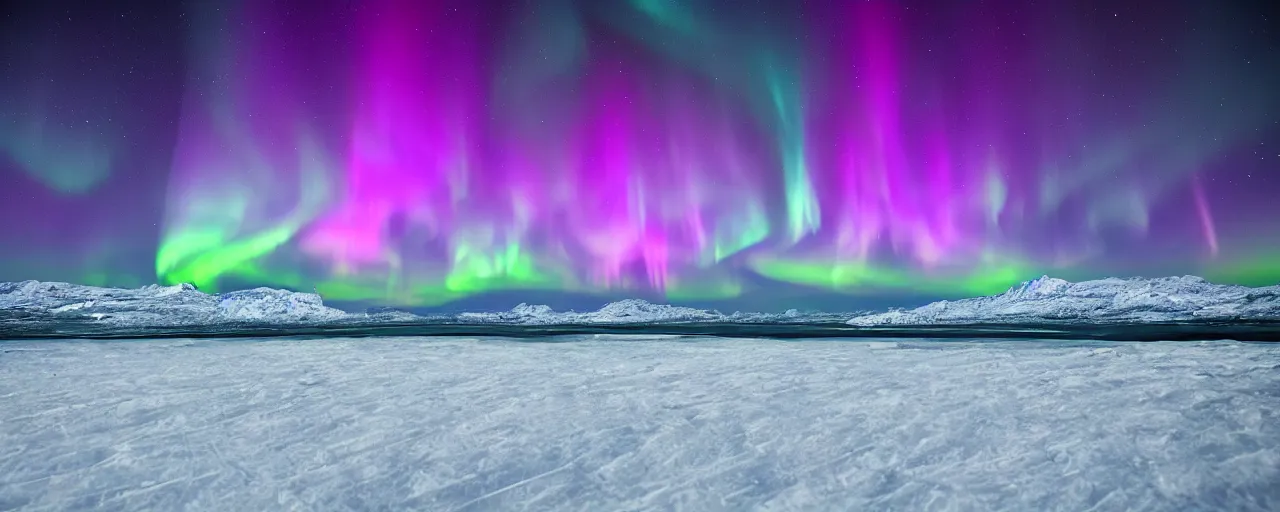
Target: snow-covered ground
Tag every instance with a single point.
(627, 423)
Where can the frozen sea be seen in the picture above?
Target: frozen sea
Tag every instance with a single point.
(599, 423)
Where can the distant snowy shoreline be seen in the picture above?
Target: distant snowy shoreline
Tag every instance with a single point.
(184, 305)
(1041, 301)
(1112, 300)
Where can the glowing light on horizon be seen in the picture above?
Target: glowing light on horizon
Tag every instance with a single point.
(648, 176)
(434, 150)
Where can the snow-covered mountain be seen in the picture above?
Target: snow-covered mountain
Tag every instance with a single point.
(184, 305)
(167, 306)
(1044, 300)
(637, 311)
(1136, 300)
(629, 311)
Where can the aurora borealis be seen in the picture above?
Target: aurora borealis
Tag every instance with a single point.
(420, 152)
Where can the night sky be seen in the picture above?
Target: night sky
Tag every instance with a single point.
(761, 154)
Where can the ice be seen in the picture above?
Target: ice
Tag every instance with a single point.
(638, 423)
(1137, 300)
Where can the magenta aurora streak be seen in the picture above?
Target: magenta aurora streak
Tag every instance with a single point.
(418, 152)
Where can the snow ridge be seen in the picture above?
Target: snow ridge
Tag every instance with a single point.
(1116, 300)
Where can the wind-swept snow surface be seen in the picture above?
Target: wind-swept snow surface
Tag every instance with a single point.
(638, 423)
(1138, 300)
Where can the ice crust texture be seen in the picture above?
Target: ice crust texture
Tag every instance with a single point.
(609, 423)
(1136, 300)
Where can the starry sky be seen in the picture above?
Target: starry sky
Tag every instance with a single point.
(759, 154)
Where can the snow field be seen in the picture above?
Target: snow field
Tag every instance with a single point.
(637, 423)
